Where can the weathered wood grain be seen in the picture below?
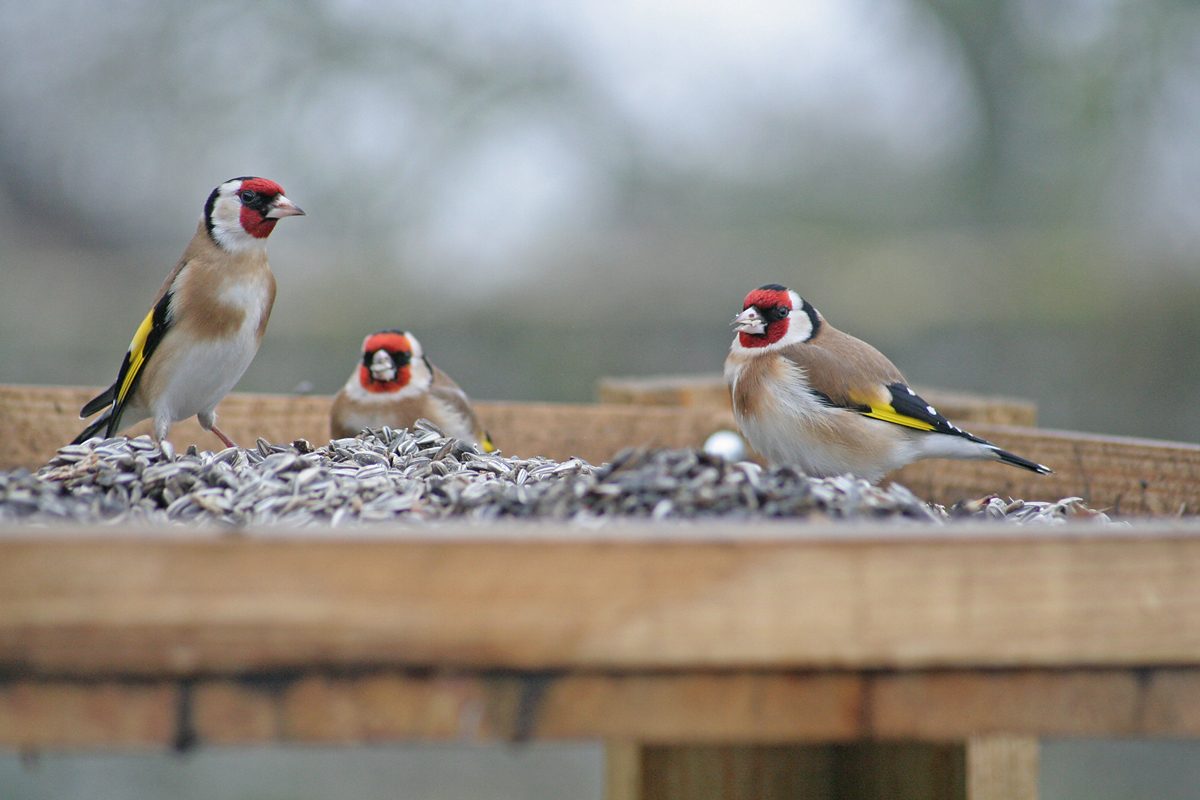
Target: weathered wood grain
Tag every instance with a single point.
(595, 433)
(706, 597)
(1002, 768)
(658, 709)
(953, 705)
(38, 714)
(36, 420)
(1119, 475)
(704, 390)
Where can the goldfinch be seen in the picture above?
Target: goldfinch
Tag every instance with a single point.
(206, 321)
(395, 384)
(806, 394)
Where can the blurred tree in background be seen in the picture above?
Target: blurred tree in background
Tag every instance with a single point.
(999, 194)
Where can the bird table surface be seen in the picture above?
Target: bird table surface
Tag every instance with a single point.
(1121, 475)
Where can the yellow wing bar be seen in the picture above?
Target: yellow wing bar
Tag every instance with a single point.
(137, 354)
(889, 414)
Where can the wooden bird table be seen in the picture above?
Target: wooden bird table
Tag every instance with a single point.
(753, 660)
(719, 660)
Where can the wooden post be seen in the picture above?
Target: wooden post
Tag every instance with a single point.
(622, 770)
(1002, 768)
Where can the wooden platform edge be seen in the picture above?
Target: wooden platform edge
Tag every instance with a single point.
(140, 605)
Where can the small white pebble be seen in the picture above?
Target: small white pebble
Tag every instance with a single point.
(726, 444)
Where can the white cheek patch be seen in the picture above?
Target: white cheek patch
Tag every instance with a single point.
(227, 227)
(799, 329)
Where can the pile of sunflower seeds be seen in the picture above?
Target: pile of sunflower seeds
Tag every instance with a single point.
(419, 475)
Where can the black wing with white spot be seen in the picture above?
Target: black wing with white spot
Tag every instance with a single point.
(911, 410)
(907, 403)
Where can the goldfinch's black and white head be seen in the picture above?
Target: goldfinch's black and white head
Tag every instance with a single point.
(241, 213)
(395, 384)
(774, 316)
(393, 363)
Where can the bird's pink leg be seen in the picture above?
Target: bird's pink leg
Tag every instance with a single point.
(228, 442)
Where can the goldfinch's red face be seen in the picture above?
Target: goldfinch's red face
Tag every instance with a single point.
(765, 316)
(386, 365)
(242, 212)
(774, 315)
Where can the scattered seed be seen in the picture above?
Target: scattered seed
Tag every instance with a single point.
(420, 475)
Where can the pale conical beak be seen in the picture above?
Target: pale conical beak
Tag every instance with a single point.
(282, 207)
(749, 321)
(383, 368)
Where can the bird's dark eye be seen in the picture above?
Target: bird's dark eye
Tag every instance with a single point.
(247, 195)
(781, 311)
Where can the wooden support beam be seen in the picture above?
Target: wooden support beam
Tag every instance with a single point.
(954, 704)
(37, 714)
(135, 639)
(320, 707)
